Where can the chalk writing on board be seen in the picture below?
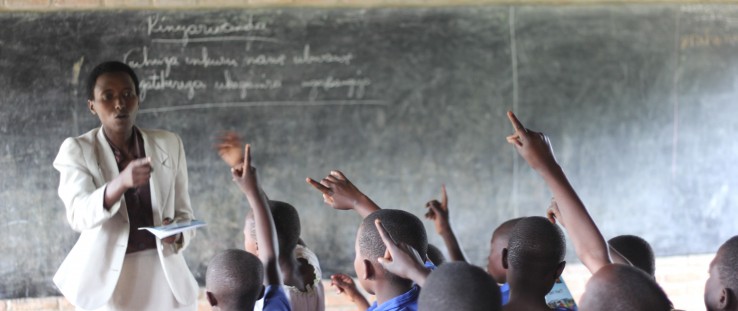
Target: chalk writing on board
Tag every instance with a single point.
(245, 86)
(156, 25)
(139, 58)
(355, 86)
(263, 60)
(161, 81)
(308, 58)
(206, 61)
(707, 40)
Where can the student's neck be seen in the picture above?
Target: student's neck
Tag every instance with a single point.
(119, 139)
(527, 295)
(385, 290)
(291, 271)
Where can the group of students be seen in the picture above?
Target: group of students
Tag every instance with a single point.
(395, 263)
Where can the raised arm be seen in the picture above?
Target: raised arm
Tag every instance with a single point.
(536, 149)
(401, 259)
(438, 212)
(266, 235)
(341, 194)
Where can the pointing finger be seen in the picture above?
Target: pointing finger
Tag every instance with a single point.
(444, 198)
(325, 190)
(519, 128)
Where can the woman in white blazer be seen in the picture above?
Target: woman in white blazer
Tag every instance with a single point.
(113, 180)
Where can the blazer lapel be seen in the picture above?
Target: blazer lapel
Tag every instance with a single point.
(161, 178)
(106, 164)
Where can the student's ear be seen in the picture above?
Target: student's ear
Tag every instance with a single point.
(91, 107)
(504, 258)
(726, 299)
(211, 299)
(560, 269)
(261, 292)
(369, 272)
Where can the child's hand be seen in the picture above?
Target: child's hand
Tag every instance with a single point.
(438, 212)
(401, 259)
(246, 178)
(534, 147)
(229, 149)
(553, 214)
(338, 191)
(344, 284)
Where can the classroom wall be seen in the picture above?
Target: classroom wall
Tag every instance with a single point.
(26, 5)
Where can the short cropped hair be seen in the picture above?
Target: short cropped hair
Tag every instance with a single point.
(728, 264)
(505, 228)
(109, 67)
(534, 241)
(435, 255)
(404, 227)
(235, 277)
(636, 250)
(622, 287)
(459, 286)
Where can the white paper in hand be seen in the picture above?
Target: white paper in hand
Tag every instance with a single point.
(174, 228)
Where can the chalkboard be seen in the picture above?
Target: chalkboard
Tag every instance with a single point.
(639, 101)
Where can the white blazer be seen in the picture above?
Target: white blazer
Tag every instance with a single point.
(90, 272)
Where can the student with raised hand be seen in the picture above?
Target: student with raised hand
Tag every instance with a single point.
(536, 149)
(339, 193)
(438, 212)
(721, 288)
(393, 292)
(266, 236)
(589, 244)
(453, 286)
(299, 265)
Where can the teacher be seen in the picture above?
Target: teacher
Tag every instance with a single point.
(114, 180)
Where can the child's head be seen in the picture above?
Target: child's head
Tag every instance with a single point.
(233, 280)
(286, 223)
(435, 255)
(534, 257)
(499, 240)
(636, 250)
(721, 289)
(403, 227)
(621, 287)
(459, 286)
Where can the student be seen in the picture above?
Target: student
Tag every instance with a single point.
(621, 287)
(534, 259)
(266, 236)
(300, 266)
(459, 286)
(721, 288)
(233, 280)
(438, 212)
(637, 252)
(589, 244)
(499, 241)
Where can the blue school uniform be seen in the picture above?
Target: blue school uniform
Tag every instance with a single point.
(405, 302)
(275, 299)
(505, 291)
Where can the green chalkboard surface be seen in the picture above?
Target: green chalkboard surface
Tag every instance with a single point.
(639, 101)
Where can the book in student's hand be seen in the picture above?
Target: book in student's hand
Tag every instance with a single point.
(174, 228)
(559, 298)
